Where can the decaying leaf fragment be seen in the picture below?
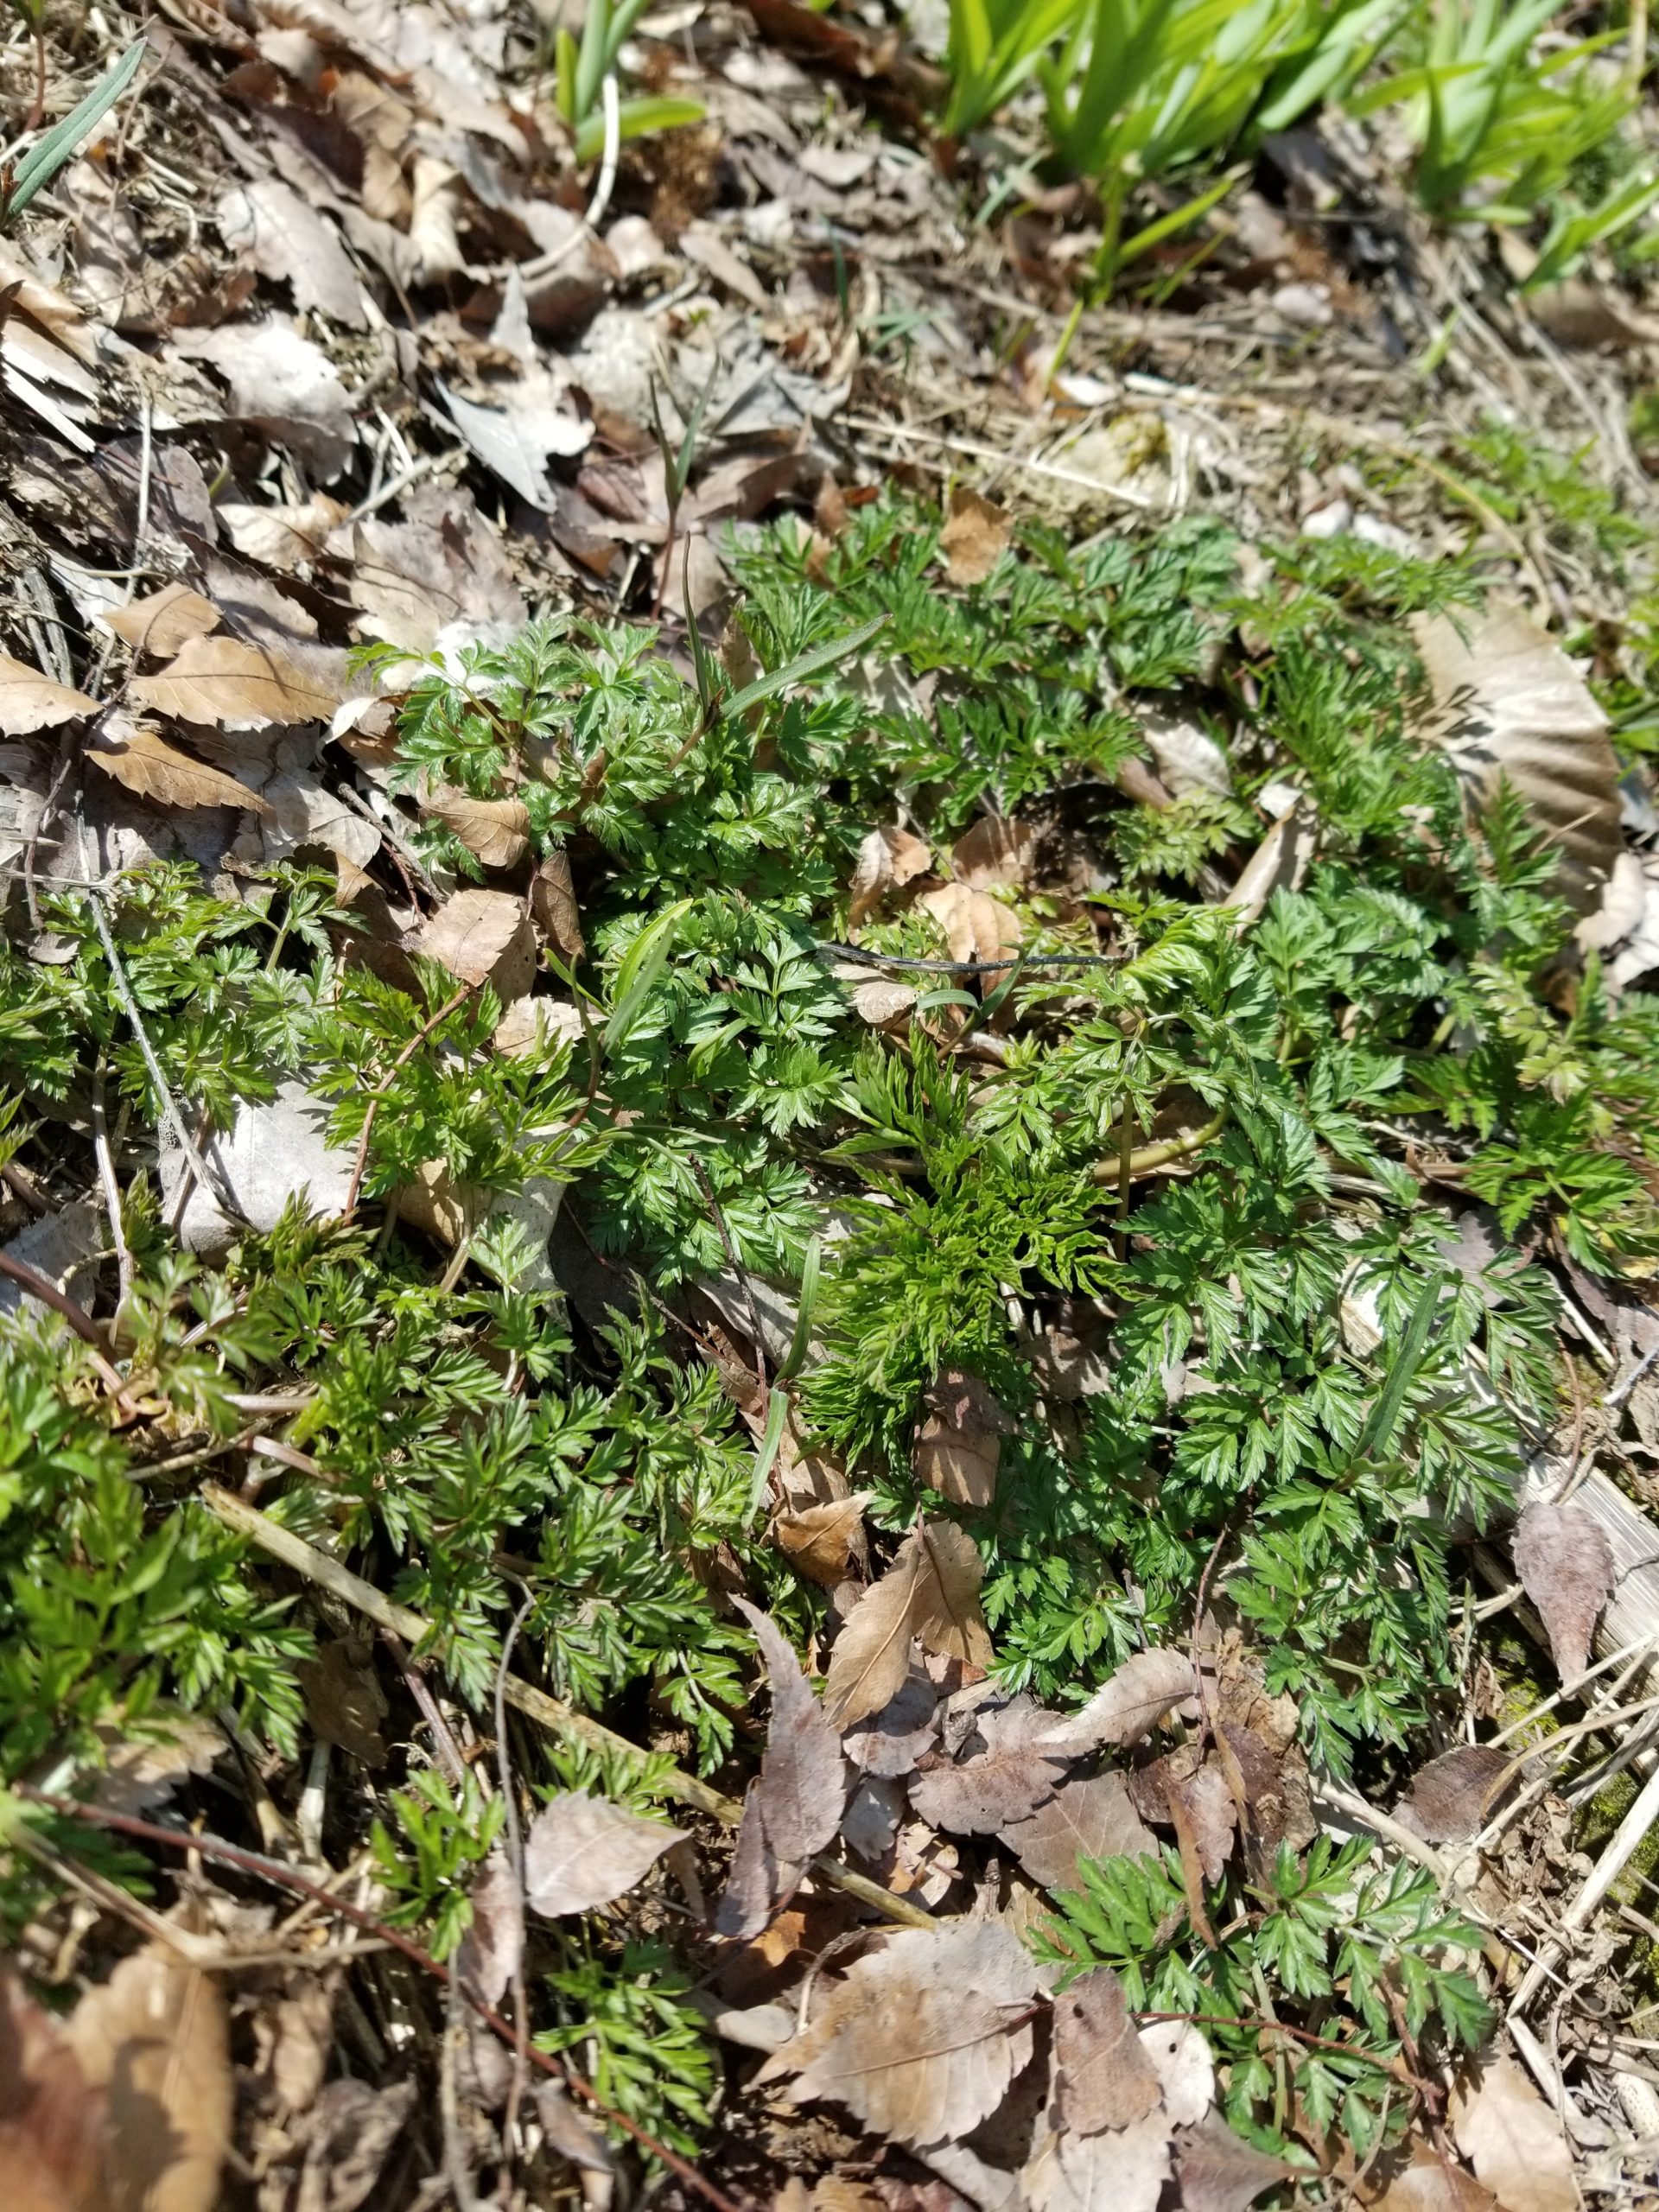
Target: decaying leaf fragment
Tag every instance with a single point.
(582, 1852)
(1120, 2169)
(931, 1590)
(1513, 2142)
(1090, 1816)
(1451, 1798)
(1104, 2077)
(921, 2037)
(974, 537)
(483, 937)
(1003, 1783)
(959, 1443)
(1130, 1705)
(1566, 1567)
(1220, 2172)
(29, 701)
(821, 1539)
(51, 2119)
(155, 2038)
(887, 859)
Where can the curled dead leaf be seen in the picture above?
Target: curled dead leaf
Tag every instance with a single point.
(1451, 1799)
(976, 535)
(820, 1540)
(1566, 1567)
(220, 680)
(582, 1852)
(1131, 1704)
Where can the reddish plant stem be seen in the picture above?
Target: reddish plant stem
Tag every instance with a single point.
(44, 1288)
(1395, 2069)
(272, 1870)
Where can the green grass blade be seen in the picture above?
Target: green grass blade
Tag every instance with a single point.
(804, 664)
(645, 961)
(41, 163)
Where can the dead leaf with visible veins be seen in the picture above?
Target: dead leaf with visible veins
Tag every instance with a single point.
(155, 2038)
(283, 384)
(29, 701)
(796, 1804)
(483, 937)
(1145, 1688)
(946, 1616)
(887, 860)
(1220, 2172)
(132, 754)
(288, 240)
(1181, 2058)
(1090, 1816)
(1566, 1567)
(931, 1590)
(921, 2037)
(1103, 2076)
(820, 1540)
(553, 906)
(1122, 2169)
(582, 1852)
(958, 1446)
(1513, 2142)
(996, 849)
(1203, 1808)
(160, 625)
(975, 926)
(879, 1002)
(1004, 1782)
(1451, 1798)
(494, 830)
(220, 680)
(975, 537)
(286, 536)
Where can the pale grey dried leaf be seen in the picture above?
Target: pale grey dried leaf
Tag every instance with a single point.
(960, 1441)
(493, 1946)
(871, 1820)
(891, 1741)
(1087, 1818)
(280, 383)
(753, 1888)
(1004, 1782)
(1103, 2075)
(1211, 1814)
(1122, 2170)
(517, 439)
(1184, 2069)
(1451, 1799)
(922, 2037)
(1566, 1567)
(803, 1777)
(582, 1852)
(1188, 758)
(1514, 2141)
(1279, 863)
(287, 239)
(1220, 2172)
(1131, 1704)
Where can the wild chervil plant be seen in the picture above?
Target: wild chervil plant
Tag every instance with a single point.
(1289, 1417)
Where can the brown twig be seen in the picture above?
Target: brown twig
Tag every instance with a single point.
(272, 1870)
(433, 1022)
(44, 1288)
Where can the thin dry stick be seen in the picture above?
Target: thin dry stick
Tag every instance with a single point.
(105, 1158)
(433, 1022)
(285, 1877)
(560, 1719)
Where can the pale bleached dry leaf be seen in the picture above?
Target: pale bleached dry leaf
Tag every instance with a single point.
(51, 2135)
(1508, 703)
(945, 1613)
(1209, 1814)
(1122, 2170)
(494, 830)
(1513, 2142)
(801, 1788)
(220, 680)
(288, 240)
(29, 701)
(871, 1655)
(1103, 2076)
(891, 1741)
(1220, 2172)
(582, 1852)
(483, 937)
(1451, 1799)
(1131, 1704)
(535, 422)
(1184, 2068)
(285, 537)
(872, 1818)
(887, 859)
(1566, 1567)
(163, 624)
(976, 535)
(442, 564)
(1434, 2184)
(1188, 758)
(435, 198)
(879, 1002)
(570, 2131)
(702, 243)
(1090, 1817)
(959, 1443)
(1279, 863)
(155, 2038)
(137, 757)
(282, 384)
(820, 1540)
(996, 849)
(493, 1946)
(1003, 1783)
(975, 926)
(921, 2037)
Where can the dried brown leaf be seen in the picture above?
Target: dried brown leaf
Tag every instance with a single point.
(1131, 1704)
(1122, 2170)
(287, 536)
(1279, 863)
(887, 859)
(163, 624)
(286, 239)
(155, 2038)
(946, 1613)
(493, 831)
(1566, 1567)
(553, 904)
(1103, 2076)
(483, 937)
(1005, 1783)
(820, 1540)
(881, 1002)
(344, 1701)
(52, 2123)
(1220, 2172)
(996, 849)
(1513, 2142)
(493, 1946)
(220, 680)
(145, 763)
(141, 1771)
(921, 2037)
(801, 1788)
(975, 926)
(1434, 2184)
(871, 1655)
(974, 537)
(29, 701)
(1090, 1817)
(1211, 1814)
(958, 1445)
(891, 1741)
(1451, 1799)
(582, 1852)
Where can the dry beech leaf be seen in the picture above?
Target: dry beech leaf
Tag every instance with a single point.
(891, 1741)
(286, 535)
(344, 1701)
(1431, 2184)
(1184, 2068)
(1513, 2142)
(1122, 2170)
(958, 1445)
(242, 687)
(946, 1614)
(920, 2038)
(1090, 1817)
(493, 831)
(147, 764)
(974, 537)
(1187, 757)
(483, 937)
(820, 1539)
(29, 701)
(1103, 2076)
(1508, 703)
(1566, 1567)
(887, 859)
(1131, 1704)
(1279, 863)
(931, 1590)
(975, 926)
(51, 2120)
(879, 1002)
(995, 850)
(155, 2038)
(1220, 2172)
(163, 624)
(493, 1946)
(797, 1802)
(1003, 1783)
(582, 1852)
(1207, 1812)
(1451, 1799)
(553, 903)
